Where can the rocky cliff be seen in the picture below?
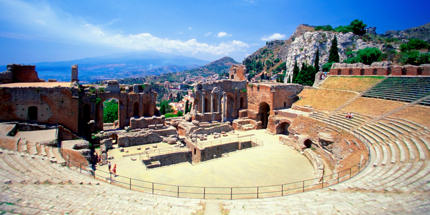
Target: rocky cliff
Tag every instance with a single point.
(303, 44)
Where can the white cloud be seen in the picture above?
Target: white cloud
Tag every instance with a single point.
(223, 34)
(275, 36)
(58, 25)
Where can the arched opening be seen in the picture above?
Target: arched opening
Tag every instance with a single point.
(207, 105)
(403, 71)
(230, 108)
(242, 103)
(32, 113)
(110, 114)
(420, 71)
(339, 72)
(136, 109)
(283, 128)
(308, 143)
(350, 72)
(215, 104)
(375, 72)
(389, 71)
(361, 71)
(263, 114)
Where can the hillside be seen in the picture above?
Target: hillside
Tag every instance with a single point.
(421, 32)
(116, 66)
(302, 46)
(219, 67)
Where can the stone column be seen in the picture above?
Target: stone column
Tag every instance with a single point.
(224, 108)
(219, 103)
(203, 102)
(212, 106)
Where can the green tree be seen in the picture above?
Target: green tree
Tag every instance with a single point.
(296, 71)
(306, 75)
(110, 111)
(317, 60)
(333, 53)
(165, 107)
(258, 66)
(358, 27)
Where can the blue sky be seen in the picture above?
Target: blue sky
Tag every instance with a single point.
(35, 31)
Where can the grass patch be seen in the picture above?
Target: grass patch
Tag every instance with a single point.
(352, 83)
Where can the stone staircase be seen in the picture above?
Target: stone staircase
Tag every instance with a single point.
(32, 184)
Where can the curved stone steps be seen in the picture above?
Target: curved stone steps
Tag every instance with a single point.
(419, 178)
(11, 173)
(422, 150)
(405, 178)
(30, 168)
(412, 150)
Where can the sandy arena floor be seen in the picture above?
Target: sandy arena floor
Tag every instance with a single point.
(271, 163)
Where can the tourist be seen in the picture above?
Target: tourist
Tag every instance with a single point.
(114, 170)
(109, 166)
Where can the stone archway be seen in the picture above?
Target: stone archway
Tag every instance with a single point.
(230, 107)
(308, 143)
(263, 114)
(111, 112)
(282, 128)
(207, 107)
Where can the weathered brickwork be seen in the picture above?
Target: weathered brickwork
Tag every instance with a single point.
(380, 69)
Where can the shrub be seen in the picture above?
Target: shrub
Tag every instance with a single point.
(415, 57)
(326, 67)
(324, 28)
(414, 44)
(366, 56)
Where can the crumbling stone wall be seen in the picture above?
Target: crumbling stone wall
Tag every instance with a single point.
(133, 102)
(237, 72)
(52, 104)
(19, 73)
(145, 122)
(224, 97)
(379, 68)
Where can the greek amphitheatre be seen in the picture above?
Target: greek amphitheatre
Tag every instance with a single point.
(244, 148)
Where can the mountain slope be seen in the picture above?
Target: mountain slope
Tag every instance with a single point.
(421, 32)
(117, 66)
(220, 67)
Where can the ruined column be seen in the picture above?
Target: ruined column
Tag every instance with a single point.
(212, 106)
(224, 108)
(212, 103)
(74, 73)
(219, 103)
(203, 102)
